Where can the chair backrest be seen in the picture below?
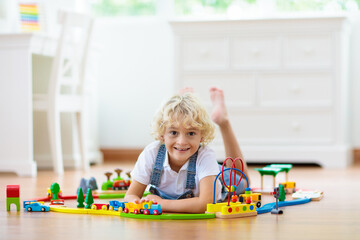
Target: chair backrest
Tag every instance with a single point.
(69, 65)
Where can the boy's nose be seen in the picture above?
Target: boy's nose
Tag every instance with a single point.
(182, 139)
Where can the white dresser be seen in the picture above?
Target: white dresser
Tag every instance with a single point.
(285, 83)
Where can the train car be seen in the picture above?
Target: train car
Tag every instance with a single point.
(116, 205)
(289, 187)
(131, 207)
(98, 206)
(121, 184)
(155, 209)
(151, 208)
(146, 208)
(254, 198)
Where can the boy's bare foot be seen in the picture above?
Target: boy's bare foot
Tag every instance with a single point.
(219, 114)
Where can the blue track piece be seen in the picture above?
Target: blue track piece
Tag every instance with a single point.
(270, 206)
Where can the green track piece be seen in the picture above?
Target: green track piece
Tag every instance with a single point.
(170, 216)
(111, 196)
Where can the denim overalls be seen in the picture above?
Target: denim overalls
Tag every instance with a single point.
(156, 174)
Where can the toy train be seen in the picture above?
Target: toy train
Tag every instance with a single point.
(146, 208)
(251, 198)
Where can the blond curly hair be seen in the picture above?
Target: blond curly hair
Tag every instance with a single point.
(184, 110)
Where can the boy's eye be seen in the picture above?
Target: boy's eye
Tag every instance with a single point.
(173, 133)
(192, 133)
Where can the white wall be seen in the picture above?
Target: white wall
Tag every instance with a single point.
(355, 79)
(135, 75)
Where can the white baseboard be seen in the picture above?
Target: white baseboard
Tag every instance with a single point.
(70, 160)
(325, 156)
(22, 169)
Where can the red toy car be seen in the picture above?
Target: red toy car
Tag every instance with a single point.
(121, 184)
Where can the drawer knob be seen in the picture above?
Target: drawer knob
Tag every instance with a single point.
(204, 53)
(296, 126)
(295, 88)
(309, 50)
(255, 51)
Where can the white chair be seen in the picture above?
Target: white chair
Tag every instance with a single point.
(68, 71)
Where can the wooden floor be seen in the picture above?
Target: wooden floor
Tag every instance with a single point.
(336, 216)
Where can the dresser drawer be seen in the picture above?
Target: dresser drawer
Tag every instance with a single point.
(309, 51)
(205, 53)
(284, 128)
(239, 89)
(260, 52)
(296, 90)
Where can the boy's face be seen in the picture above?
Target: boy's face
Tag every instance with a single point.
(181, 143)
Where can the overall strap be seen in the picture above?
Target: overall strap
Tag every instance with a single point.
(158, 166)
(159, 163)
(191, 172)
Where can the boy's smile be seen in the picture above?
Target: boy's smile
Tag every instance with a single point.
(181, 143)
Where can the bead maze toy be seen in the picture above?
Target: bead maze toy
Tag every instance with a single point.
(232, 208)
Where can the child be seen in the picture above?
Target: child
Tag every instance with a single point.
(180, 166)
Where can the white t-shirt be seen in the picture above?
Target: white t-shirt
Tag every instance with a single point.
(171, 182)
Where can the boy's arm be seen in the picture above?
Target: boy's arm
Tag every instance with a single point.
(135, 191)
(189, 205)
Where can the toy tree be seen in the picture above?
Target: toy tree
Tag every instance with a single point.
(55, 189)
(108, 184)
(118, 172)
(80, 198)
(89, 199)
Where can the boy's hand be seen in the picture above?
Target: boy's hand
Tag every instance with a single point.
(154, 198)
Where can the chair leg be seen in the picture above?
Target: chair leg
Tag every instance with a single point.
(82, 140)
(55, 141)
